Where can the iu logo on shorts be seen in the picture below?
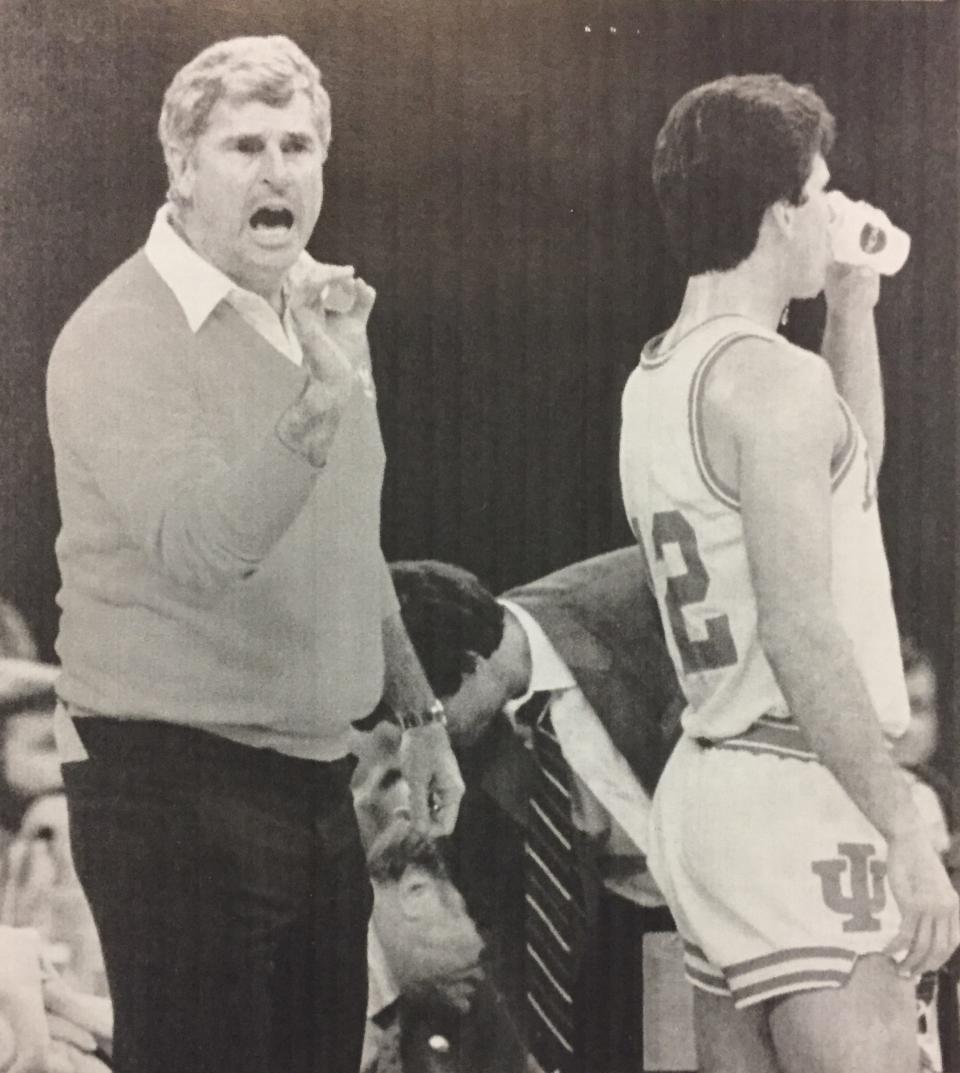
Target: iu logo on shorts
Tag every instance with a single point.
(863, 893)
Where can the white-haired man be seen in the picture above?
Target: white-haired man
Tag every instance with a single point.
(226, 608)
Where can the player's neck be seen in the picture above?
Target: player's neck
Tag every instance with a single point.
(749, 290)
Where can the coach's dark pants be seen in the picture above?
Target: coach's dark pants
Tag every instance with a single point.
(229, 888)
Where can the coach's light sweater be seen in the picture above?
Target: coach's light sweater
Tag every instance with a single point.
(210, 576)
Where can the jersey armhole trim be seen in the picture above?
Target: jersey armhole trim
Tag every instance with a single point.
(717, 488)
(841, 465)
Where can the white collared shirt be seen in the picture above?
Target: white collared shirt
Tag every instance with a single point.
(598, 766)
(200, 287)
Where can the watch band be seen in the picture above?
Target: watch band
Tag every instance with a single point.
(433, 713)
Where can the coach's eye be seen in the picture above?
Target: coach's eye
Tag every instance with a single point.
(249, 146)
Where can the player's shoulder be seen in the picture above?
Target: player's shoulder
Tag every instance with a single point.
(759, 372)
(761, 359)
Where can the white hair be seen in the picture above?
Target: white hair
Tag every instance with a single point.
(269, 69)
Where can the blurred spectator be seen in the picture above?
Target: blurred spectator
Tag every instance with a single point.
(16, 640)
(431, 1008)
(380, 792)
(54, 1013)
(915, 749)
(47, 1026)
(39, 887)
(29, 765)
(932, 796)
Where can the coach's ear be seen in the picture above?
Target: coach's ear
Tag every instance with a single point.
(181, 174)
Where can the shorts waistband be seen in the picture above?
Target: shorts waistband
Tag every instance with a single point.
(769, 734)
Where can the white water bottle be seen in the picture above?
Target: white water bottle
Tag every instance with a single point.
(861, 234)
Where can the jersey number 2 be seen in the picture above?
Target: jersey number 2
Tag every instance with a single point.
(690, 587)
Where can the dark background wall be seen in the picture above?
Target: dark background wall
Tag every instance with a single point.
(490, 175)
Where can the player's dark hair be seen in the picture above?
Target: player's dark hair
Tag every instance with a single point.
(451, 619)
(728, 151)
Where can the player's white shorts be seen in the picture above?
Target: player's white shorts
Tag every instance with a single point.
(776, 880)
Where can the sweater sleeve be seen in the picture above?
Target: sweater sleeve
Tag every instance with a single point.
(125, 414)
(389, 603)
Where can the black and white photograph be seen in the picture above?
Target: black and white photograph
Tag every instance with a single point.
(479, 573)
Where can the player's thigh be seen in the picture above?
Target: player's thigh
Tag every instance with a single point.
(867, 1026)
(731, 1040)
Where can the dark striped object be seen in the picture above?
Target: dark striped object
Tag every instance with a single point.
(554, 912)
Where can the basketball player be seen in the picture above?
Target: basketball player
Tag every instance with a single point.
(783, 835)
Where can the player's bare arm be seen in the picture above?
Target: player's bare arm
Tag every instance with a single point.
(850, 348)
(775, 418)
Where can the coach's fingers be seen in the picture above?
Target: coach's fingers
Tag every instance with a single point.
(69, 1032)
(313, 284)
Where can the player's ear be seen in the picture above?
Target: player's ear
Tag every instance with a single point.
(470, 662)
(781, 215)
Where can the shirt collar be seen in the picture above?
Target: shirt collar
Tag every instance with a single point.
(197, 285)
(547, 669)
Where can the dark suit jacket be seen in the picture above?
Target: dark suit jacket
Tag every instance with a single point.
(602, 618)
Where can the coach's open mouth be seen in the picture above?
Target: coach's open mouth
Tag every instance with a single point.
(271, 219)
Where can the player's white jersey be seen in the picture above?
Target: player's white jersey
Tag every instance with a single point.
(691, 529)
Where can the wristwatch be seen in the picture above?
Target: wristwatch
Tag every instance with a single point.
(433, 713)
